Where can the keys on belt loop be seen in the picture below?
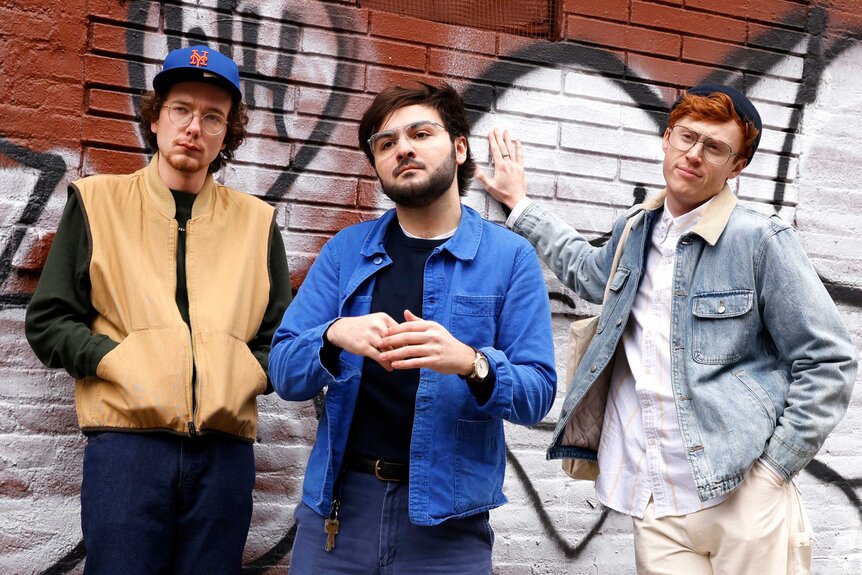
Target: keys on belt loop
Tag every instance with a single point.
(330, 526)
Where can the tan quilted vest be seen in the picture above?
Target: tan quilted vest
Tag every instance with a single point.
(146, 382)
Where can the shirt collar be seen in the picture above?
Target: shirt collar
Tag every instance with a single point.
(715, 217)
(683, 224)
(464, 244)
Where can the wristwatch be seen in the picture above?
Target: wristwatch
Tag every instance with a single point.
(480, 367)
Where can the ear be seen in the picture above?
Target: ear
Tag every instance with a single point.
(664, 140)
(154, 126)
(461, 147)
(737, 168)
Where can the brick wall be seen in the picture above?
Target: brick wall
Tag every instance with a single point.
(589, 109)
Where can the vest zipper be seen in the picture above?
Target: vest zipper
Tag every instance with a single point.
(192, 429)
(184, 238)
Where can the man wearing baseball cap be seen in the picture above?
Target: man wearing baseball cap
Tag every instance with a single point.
(724, 359)
(160, 296)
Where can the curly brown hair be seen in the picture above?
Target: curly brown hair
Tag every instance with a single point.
(151, 106)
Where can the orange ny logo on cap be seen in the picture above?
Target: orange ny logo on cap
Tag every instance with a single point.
(198, 59)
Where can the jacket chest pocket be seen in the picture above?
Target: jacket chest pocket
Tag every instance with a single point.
(614, 293)
(474, 319)
(721, 326)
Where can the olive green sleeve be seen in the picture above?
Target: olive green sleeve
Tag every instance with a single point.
(279, 298)
(60, 313)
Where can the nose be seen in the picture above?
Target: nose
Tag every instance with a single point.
(195, 124)
(695, 152)
(404, 147)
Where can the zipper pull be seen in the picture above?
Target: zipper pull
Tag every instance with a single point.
(192, 431)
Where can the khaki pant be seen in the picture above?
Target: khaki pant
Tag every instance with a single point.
(761, 529)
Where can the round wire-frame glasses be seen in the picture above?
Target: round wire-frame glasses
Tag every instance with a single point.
(181, 116)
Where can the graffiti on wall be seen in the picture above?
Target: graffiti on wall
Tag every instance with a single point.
(604, 127)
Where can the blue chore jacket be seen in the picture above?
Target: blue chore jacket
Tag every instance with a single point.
(485, 286)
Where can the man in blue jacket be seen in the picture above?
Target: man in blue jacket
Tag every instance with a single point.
(728, 361)
(427, 327)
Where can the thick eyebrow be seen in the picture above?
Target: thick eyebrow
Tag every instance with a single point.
(402, 126)
(719, 141)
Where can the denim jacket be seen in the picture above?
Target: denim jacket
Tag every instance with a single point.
(485, 286)
(762, 365)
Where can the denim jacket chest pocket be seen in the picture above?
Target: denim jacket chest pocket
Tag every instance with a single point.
(619, 281)
(475, 317)
(721, 326)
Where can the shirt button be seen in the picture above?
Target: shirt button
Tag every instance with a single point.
(378, 260)
(651, 442)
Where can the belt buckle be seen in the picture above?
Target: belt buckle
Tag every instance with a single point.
(380, 477)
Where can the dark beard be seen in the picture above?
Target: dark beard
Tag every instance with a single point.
(417, 195)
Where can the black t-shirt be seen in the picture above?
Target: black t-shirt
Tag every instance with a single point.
(383, 420)
(184, 202)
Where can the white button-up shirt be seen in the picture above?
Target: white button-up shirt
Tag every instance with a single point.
(641, 453)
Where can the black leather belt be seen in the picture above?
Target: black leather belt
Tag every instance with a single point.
(382, 470)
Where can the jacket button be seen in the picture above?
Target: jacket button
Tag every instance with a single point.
(593, 368)
(378, 260)
(721, 308)
(619, 321)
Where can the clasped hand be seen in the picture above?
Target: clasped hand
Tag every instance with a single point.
(414, 344)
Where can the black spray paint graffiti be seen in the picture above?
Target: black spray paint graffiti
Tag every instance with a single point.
(502, 76)
(816, 60)
(51, 169)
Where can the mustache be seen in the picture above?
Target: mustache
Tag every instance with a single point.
(406, 163)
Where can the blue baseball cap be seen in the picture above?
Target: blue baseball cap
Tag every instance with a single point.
(200, 64)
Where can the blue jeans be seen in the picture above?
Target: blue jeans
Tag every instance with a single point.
(375, 536)
(157, 503)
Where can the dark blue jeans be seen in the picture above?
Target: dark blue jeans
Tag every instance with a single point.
(156, 503)
(375, 537)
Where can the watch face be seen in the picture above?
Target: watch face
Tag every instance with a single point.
(482, 367)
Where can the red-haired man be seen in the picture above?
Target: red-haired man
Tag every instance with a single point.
(729, 364)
